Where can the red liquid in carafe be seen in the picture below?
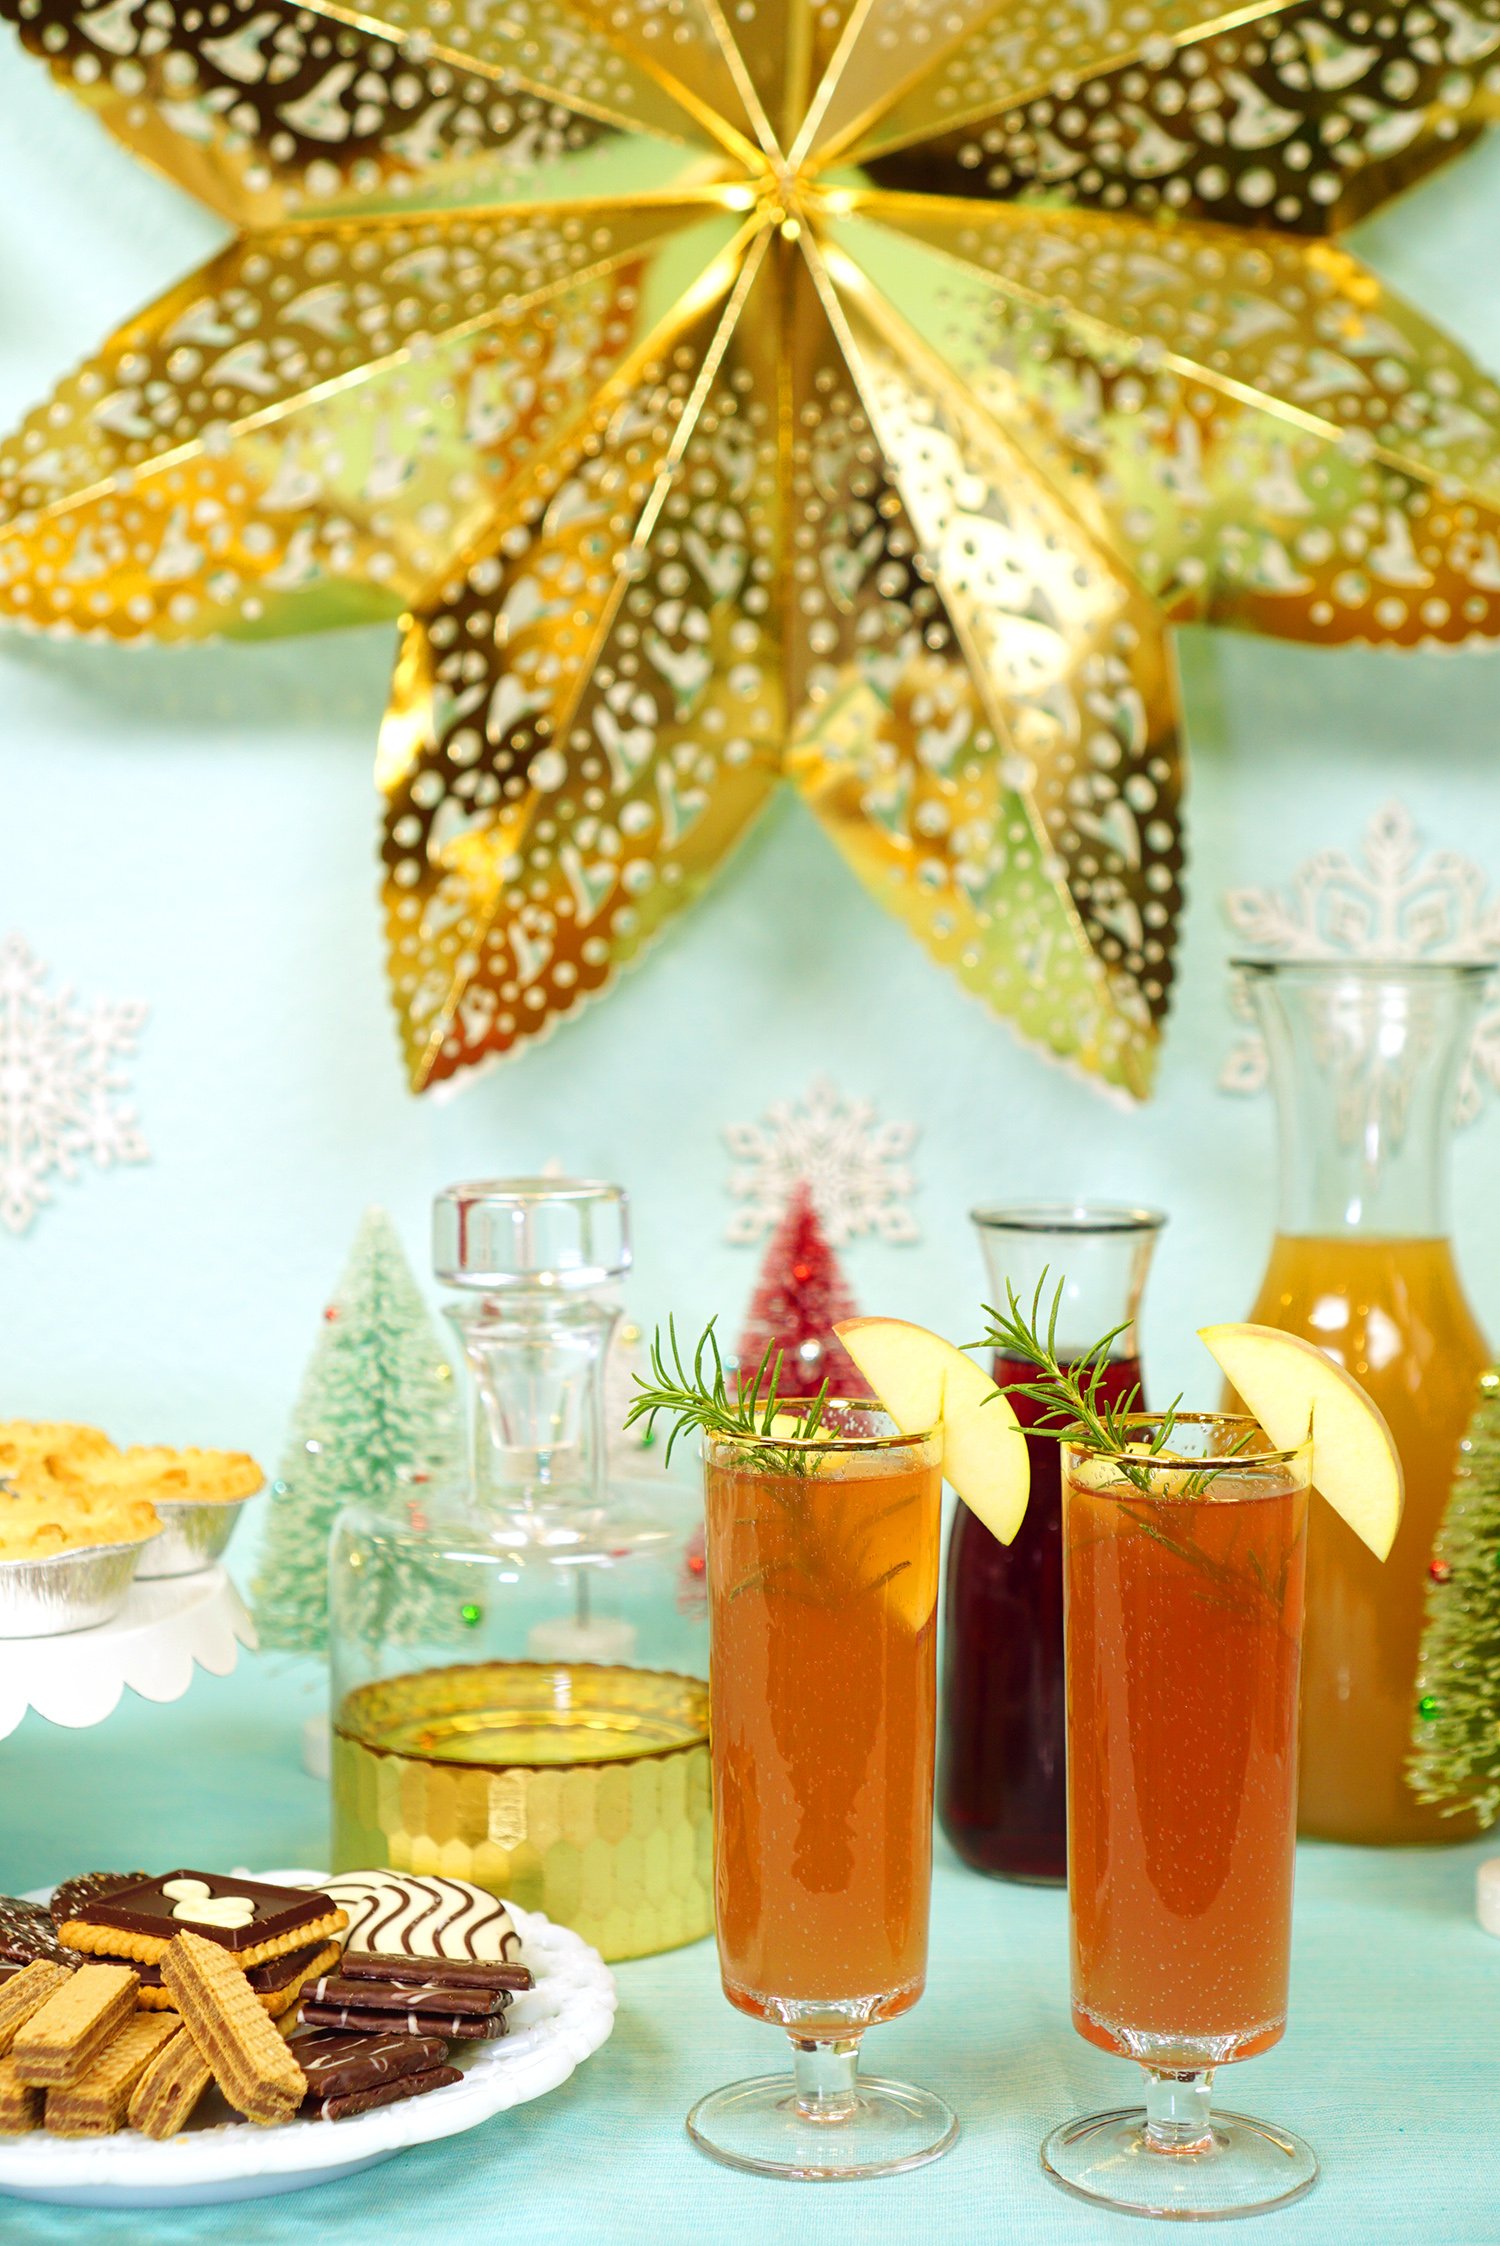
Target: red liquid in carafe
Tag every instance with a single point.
(1001, 1791)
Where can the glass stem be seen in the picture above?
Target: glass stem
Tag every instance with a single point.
(1177, 2110)
(826, 2069)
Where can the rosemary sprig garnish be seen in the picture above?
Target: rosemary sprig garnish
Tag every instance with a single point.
(1076, 1408)
(701, 1396)
(1071, 1393)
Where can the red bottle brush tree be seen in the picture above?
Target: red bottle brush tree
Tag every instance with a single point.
(800, 1295)
(798, 1299)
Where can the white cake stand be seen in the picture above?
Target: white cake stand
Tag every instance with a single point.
(165, 1629)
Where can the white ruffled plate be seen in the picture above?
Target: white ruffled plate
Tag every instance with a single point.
(554, 2027)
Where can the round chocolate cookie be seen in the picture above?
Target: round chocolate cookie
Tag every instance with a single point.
(27, 1933)
(73, 1897)
(409, 1914)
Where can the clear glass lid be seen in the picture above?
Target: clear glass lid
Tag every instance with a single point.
(531, 1234)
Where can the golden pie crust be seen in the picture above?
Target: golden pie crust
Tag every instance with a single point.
(65, 1487)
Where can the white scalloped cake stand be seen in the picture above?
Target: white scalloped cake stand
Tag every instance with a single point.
(555, 2026)
(164, 1628)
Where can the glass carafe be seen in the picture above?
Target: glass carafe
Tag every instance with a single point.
(518, 1686)
(1364, 1060)
(1001, 1790)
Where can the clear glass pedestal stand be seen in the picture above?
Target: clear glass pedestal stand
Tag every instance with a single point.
(1175, 2159)
(825, 2122)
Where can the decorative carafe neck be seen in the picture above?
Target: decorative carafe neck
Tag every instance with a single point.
(534, 1262)
(1364, 1061)
(1098, 1252)
(537, 1431)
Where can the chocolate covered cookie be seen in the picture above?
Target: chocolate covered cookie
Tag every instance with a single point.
(336, 2065)
(251, 1919)
(70, 1899)
(383, 2094)
(27, 1933)
(452, 2027)
(404, 1914)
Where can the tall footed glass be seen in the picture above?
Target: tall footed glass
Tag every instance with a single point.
(1364, 1059)
(1183, 1618)
(822, 1581)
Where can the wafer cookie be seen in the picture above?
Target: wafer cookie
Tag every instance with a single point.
(72, 2027)
(170, 2086)
(249, 2059)
(94, 2105)
(20, 2105)
(277, 1984)
(24, 1994)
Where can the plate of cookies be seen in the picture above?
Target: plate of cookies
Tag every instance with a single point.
(194, 2036)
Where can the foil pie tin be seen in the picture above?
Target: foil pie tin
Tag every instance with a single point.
(66, 1591)
(195, 1531)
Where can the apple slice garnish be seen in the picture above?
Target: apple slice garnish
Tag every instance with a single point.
(924, 1382)
(791, 1427)
(1291, 1387)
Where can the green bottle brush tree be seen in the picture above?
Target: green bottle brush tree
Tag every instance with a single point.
(377, 1415)
(1456, 1724)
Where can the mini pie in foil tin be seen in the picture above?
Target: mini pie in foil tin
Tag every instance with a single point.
(195, 1531)
(65, 1591)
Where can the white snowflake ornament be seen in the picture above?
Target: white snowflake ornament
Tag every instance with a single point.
(60, 1084)
(854, 1167)
(1395, 904)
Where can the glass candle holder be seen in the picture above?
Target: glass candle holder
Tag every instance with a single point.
(519, 1696)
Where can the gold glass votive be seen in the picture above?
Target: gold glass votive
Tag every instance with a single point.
(575, 1789)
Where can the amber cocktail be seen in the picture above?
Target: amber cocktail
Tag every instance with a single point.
(822, 1576)
(1183, 1607)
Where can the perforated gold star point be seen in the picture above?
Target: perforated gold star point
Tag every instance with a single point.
(850, 396)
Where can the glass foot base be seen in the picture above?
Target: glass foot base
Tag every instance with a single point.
(1251, 2167)
(757, 2125)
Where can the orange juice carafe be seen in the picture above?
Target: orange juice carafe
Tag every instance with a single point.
(1364, 1058)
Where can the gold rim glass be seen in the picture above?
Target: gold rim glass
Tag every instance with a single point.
(1183, 1605)
(822, 1582)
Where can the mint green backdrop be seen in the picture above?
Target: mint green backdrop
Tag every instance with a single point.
(196, 828)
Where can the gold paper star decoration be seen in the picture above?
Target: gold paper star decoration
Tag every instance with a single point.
(849, 393)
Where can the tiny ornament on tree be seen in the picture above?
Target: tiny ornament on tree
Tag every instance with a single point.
(1456, 1723)
(377, 1409)
(800, 1296)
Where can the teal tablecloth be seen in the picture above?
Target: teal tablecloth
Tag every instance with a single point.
(1391, 2067)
